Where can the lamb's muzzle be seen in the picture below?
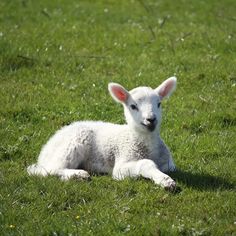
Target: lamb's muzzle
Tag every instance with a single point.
(150, 123)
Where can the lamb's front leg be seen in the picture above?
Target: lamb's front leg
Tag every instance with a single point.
(146, 168)
(164, 160)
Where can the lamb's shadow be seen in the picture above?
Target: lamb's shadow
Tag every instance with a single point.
(201, 181)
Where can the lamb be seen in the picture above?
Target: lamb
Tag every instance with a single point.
(129, 150)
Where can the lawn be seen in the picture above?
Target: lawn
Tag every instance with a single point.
(56, 59)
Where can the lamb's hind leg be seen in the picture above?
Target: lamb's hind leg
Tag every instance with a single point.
(66, 174)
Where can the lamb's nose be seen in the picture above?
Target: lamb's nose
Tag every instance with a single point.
(151, 120)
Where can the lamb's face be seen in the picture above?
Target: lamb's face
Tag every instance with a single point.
(142, 105)
(143, 109)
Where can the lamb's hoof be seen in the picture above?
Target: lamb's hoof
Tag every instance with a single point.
(171, 187)
(84, 176)
(169, 184)
(80, 175)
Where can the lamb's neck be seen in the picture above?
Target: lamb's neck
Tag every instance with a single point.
(146, 137)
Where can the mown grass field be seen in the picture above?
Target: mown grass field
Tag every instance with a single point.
(56, 59)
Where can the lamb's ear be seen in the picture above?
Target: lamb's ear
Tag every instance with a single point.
(167, 87)
(119, 93)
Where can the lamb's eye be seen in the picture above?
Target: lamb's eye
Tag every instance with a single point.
(158, 105)
(133, 107)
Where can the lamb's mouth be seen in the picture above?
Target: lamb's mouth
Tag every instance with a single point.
(150, 126)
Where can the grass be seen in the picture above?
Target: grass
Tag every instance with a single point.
(56, 58)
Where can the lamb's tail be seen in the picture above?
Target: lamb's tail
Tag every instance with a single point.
(37, 170)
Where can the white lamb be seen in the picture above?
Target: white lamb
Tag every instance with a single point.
(133, 149)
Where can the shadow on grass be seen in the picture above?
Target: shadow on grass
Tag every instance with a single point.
(201, 181)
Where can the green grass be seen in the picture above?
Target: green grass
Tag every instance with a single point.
(56, 58)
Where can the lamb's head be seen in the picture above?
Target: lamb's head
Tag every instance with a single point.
(142, 105)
